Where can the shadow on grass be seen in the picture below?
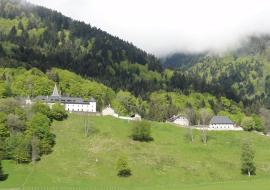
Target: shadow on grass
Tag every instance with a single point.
(5, 177)
(144, 140)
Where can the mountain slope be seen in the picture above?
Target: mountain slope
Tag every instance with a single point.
(77, 161)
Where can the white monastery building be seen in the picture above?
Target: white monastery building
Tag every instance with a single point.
(70, 103)
(179, 119)
(223, 123)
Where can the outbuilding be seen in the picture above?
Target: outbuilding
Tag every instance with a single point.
(108, 110)
(179, 119)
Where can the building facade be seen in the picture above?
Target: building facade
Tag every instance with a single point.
(179, 119)
(70, 103)
(222, 123)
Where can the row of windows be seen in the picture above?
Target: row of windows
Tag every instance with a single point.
(57, 100)
(78, 110)
(223, 127)
(79, 105)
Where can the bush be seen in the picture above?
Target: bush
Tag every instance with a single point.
(259, 126)
(122, 167)
(141, 130)
(248, 123)
(58, 112)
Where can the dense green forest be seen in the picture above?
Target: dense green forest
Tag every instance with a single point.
(38, 43)
(182, 61)
(246, 69)
(34, 36)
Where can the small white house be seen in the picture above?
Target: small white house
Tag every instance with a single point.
(179, 119)
(221, 123)
(109, 111)
(136, 116)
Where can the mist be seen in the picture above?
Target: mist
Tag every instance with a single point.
(165, 27)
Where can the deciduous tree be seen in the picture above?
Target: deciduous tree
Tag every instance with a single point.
(141, 130)
(248, 123)
(247, 156)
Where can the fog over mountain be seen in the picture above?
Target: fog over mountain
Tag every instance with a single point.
(166, 27)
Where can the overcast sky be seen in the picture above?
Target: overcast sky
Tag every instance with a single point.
(163, 27)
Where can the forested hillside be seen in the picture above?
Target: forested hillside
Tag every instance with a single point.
(159, 106)
(33, 36)
(39, 42)
(246, 71)
(183, 61)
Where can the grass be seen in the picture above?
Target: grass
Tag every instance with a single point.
(77, 161)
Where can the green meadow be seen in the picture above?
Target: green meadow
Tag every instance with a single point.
(164, 163)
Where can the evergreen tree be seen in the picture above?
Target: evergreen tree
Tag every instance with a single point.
(247, 156)
(202, 104)
(106, 99)
(138, 72)
(99, 104)
(1, 170)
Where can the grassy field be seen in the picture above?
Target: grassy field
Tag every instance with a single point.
(77, 161)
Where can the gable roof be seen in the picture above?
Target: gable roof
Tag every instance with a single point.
(62, 99)
(109, 106)
(220, 120)
(92, 99)
(55, 91)
(176, 117)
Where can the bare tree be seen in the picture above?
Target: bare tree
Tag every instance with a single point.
(190, 114)
(265, 114)
(87, 123)
(205, 117)
(34, 143)
(14, 123)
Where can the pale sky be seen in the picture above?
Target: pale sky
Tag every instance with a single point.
(164, 27)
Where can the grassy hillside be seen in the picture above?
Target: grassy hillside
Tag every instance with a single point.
(77, 161)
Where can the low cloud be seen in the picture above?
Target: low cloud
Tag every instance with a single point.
(166, 27)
